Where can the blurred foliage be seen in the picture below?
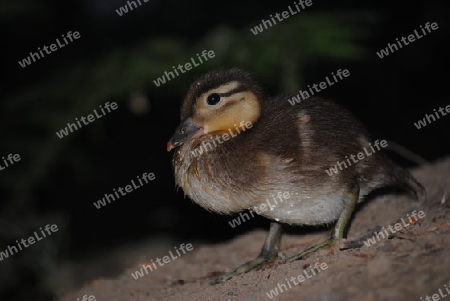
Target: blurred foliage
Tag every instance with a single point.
(20, 8)
(277, 55)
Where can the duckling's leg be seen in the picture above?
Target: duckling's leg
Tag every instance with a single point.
(266, 258)
(339, 228)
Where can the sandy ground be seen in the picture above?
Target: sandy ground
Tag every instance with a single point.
(414, 263)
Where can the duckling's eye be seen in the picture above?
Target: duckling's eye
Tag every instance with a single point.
(213, 99)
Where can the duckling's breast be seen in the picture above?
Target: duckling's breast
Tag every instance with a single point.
(208, 177)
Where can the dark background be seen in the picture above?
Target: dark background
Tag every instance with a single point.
(118, 57)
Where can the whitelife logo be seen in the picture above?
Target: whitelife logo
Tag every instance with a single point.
(162, 80)
(166, 259)
(411, 38)
(206, 145)
(110, 197)
(436, 297)
(11, 250)
(86, 298)
(280, 17)
(430, 118)
(243, 217)
(52, 48)
(297, 280)
(124, 9)
(11, 158)
(360, 155)
(302, 95)
(90, 118)
(397, 226)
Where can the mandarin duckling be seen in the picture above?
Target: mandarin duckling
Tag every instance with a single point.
(237, 149)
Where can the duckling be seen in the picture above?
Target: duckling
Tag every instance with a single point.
(273, 147)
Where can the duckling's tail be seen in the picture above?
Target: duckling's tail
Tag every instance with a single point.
(403, 179)
(405, 153)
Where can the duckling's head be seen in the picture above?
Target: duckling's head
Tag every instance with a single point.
(216, 102)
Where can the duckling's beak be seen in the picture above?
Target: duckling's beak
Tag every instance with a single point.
(187, 129)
